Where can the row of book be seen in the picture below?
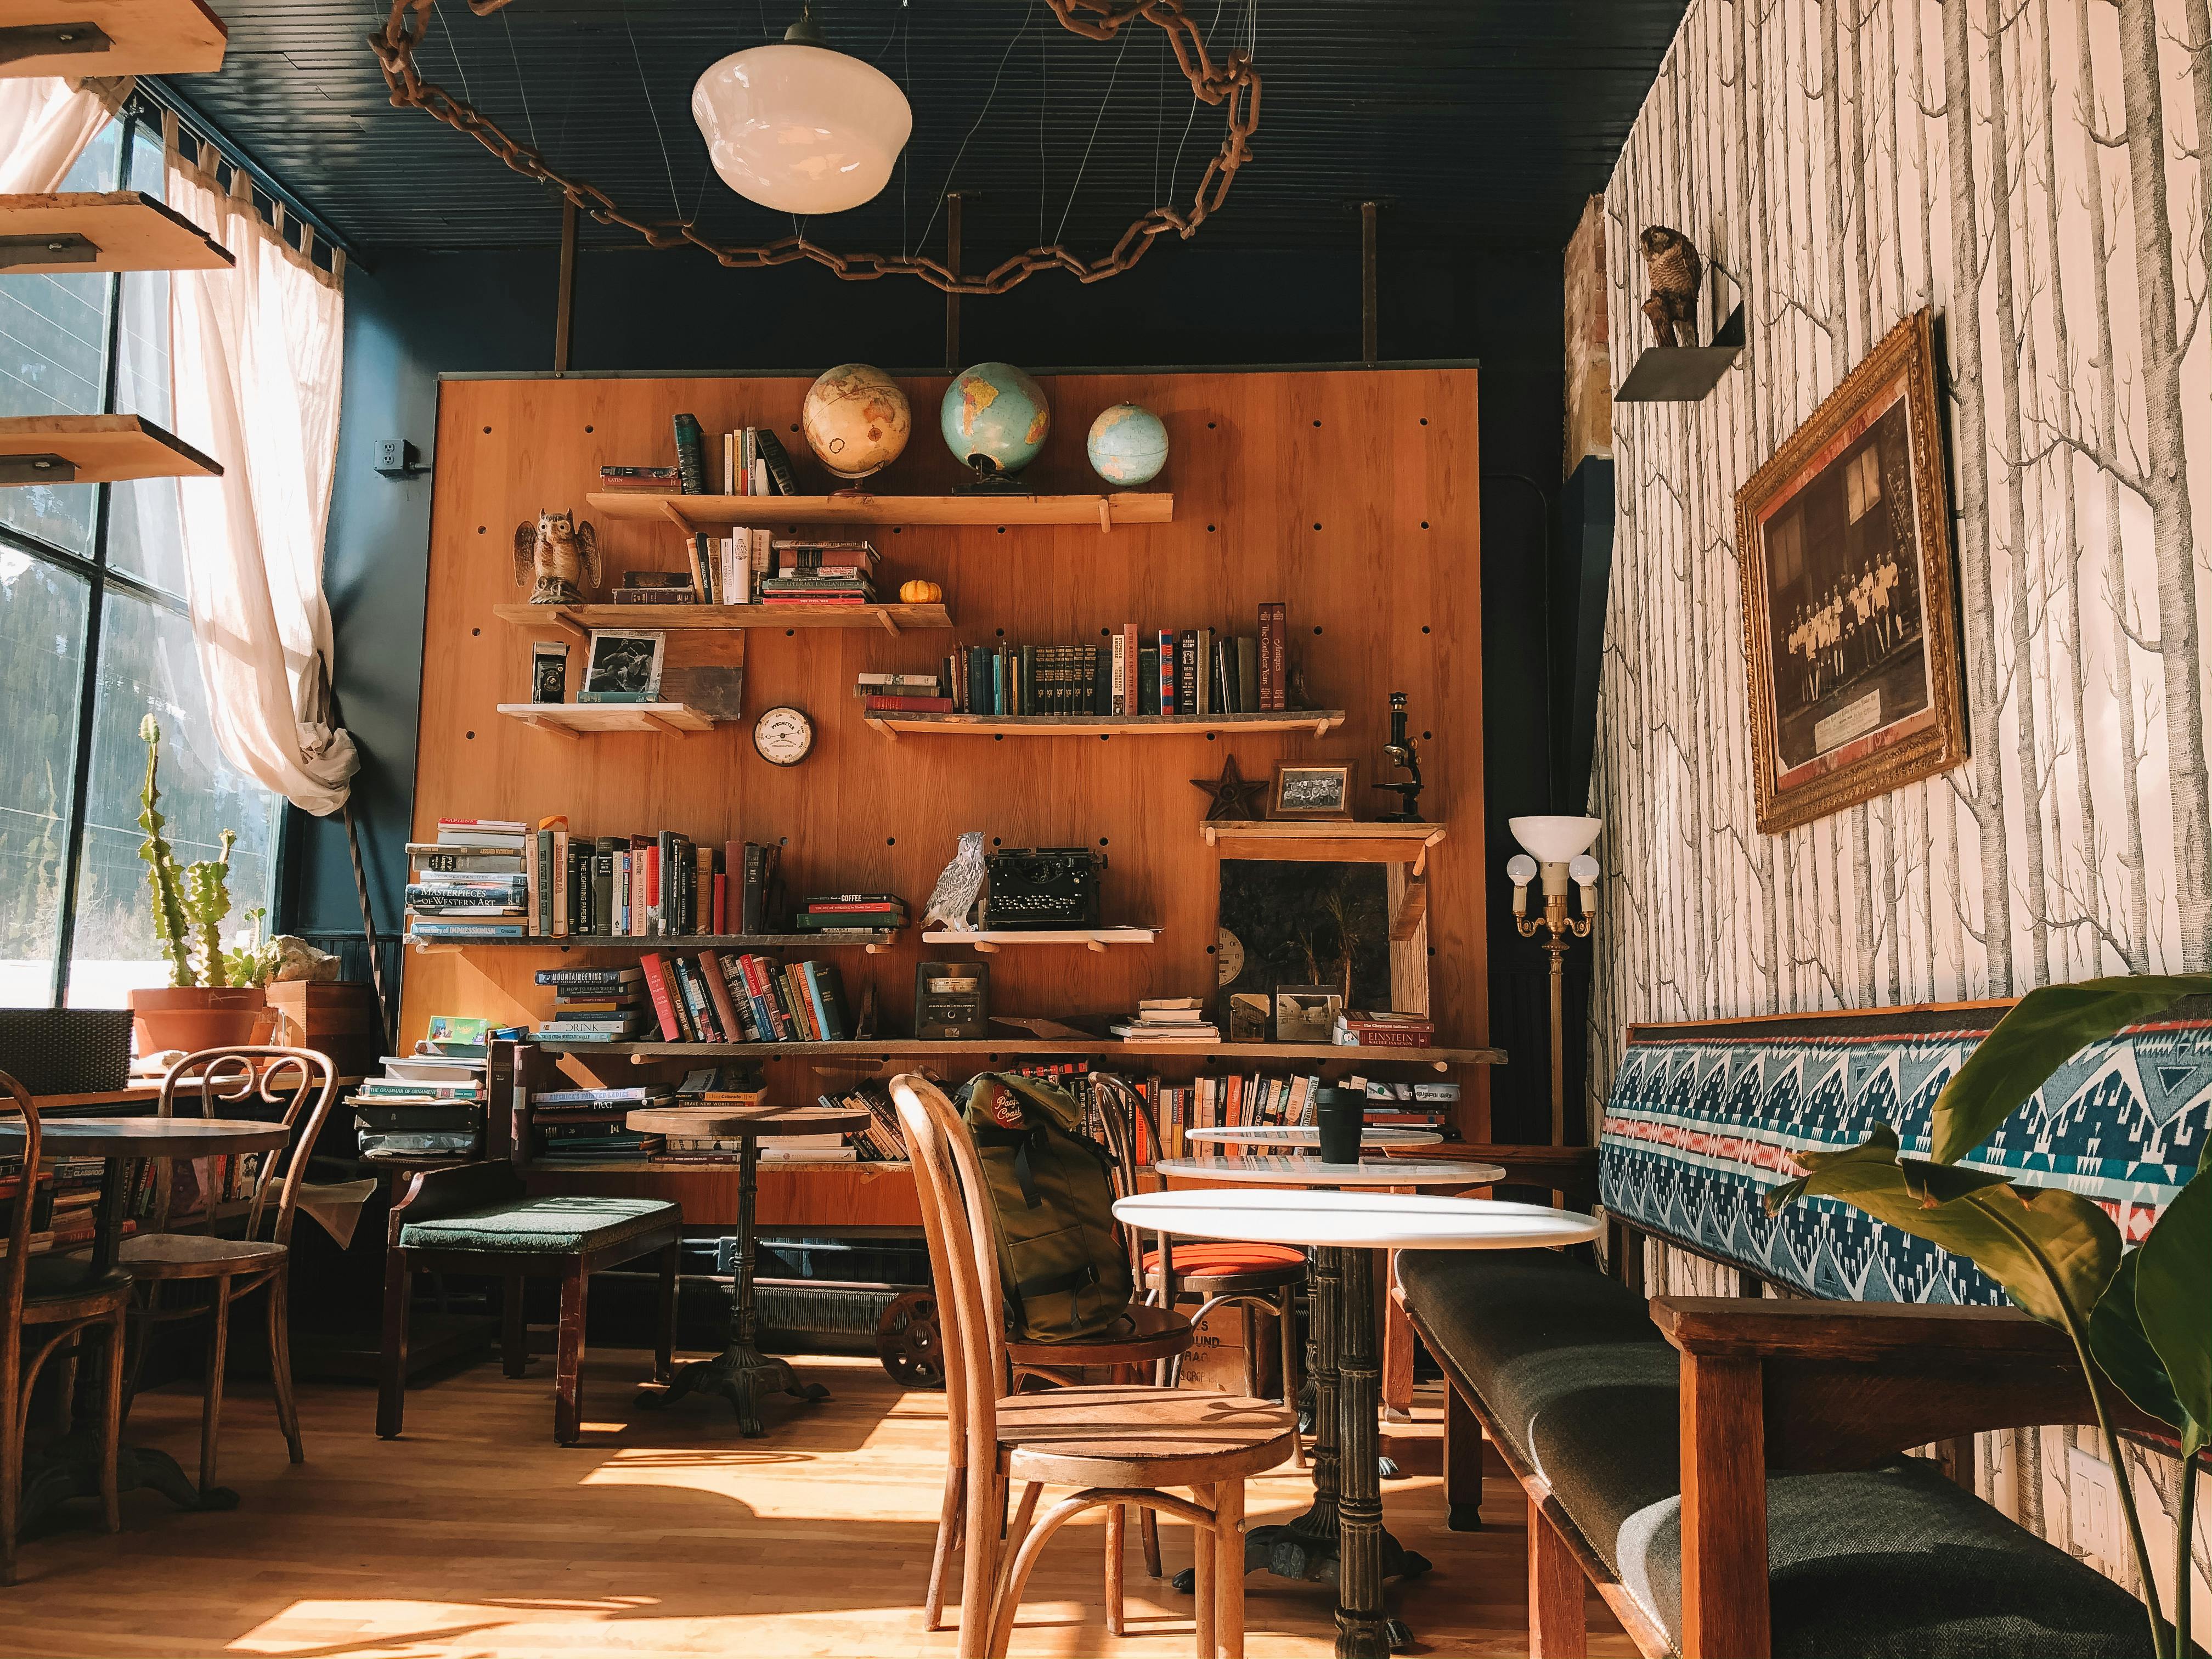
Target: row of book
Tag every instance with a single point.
(749, 566)
(819, 574)
(591, 1126)
(1407, 1105)
(712, 996)
(64, 1195)
(753, 462)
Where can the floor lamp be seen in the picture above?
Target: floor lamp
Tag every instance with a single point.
(1559, 849)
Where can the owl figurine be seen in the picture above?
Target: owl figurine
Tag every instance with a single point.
(953, 898)
(1673, 268)
(554, 553)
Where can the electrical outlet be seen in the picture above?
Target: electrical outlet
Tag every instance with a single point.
(397, 458)
(2094, 1493)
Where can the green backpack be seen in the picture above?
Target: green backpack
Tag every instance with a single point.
(1064, 1269)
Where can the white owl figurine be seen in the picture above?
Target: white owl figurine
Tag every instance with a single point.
(953, 899)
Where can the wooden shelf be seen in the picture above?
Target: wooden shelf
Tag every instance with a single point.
(1319, 722)
(135, 37)
(580, 619)
(94, 449)
(857, 507)
(117, 230)
(874, 940)
(882, 1048)
(1289, 841)
(573, 719)
(1097, 938)
(694, 1166)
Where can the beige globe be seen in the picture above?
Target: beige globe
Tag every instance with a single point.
(856, 420)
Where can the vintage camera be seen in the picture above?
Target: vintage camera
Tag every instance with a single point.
(1044, 887)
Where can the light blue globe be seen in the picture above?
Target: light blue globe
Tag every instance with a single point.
(995, 417)
(1127, 446)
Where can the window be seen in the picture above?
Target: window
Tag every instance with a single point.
(95, 636)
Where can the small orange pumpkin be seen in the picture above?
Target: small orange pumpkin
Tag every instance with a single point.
(920, 593)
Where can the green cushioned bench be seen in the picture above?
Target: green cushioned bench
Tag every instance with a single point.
(474, 1220)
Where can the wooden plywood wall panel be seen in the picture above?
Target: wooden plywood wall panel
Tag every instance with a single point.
(1350, 495)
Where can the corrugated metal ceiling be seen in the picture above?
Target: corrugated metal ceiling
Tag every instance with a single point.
(1483, 123)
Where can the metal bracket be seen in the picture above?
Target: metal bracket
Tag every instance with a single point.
(52, 40)
(37, 470)
(66, 247)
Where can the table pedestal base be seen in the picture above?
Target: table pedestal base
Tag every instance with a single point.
(742, 1375)
(69, 1468)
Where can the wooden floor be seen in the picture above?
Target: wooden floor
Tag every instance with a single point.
(475, 1537)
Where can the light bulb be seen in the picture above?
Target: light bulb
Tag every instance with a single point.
(1584, 869)
(800, 128)
(1522, 869)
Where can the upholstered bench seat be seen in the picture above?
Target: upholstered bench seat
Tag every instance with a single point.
(558, 1224)
(1895, 1561)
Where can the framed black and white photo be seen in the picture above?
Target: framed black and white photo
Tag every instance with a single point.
(624, 667)
(1312, 789)
(1306, 1014)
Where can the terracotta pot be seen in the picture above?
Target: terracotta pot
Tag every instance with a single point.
(195, 1017)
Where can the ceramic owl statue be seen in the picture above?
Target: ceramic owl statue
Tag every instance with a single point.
(554, 555)
(952, 901)
(1675, 273)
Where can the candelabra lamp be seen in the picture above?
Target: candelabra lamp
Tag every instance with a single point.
(1560, 855)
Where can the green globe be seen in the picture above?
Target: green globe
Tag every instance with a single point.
(995, 417)
(1127, 446)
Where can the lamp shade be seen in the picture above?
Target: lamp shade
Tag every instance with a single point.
(1554, 840)
(801, 129)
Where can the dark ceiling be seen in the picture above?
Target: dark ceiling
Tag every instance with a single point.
(1482, 123)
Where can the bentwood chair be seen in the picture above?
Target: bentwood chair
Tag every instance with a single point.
(303, 1083)
(1119, 1443)
(61, 1297)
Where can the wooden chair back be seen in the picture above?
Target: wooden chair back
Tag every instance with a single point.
(15, 1268)
(302, 1081)
(971, 1302)
(1122, 1106)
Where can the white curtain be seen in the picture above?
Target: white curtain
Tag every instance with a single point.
(46, 122)
(254, 358)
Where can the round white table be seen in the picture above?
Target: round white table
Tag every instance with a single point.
(1306, 1134)
(1343, 1227)
(1281, 1171)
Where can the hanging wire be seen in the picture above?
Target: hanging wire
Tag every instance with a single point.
(522, 80)
(906, 80)
(1159, 119)
(1098, 121)
(1176, 169)
(1027, 15)
(674, 200)
(1044, 103)
(456, 50)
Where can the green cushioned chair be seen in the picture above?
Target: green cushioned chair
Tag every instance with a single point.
(472, 1219)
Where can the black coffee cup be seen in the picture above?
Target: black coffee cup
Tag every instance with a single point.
(1341, 1114)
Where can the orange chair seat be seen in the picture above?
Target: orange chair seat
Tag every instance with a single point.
(1208, 1259)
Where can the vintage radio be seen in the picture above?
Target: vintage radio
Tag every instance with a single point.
(951, 999)
(1044, 887)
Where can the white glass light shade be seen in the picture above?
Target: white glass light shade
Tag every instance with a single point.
(801, 129)
(1554, 840)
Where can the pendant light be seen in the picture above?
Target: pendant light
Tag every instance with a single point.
(799, 127)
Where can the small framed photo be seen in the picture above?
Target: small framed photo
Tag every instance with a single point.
(548, 671)
(625, 666)
(1306, 1014)
(1249, 1016)
(1313, 789)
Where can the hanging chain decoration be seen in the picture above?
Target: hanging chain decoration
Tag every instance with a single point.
(1234, 82)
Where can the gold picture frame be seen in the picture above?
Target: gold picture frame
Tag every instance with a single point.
(1845, 541)
(1315, 791)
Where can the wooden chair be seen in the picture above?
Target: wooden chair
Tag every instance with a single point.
(304, 1084)
(1119, 1443)
(63, 1296)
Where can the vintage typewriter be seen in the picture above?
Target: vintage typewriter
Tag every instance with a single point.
(1044, 887)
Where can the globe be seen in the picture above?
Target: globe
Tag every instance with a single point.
(856, 420)
(995, 417)
(1127, 446)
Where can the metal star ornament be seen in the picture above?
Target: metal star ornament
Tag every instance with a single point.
(1234, 794)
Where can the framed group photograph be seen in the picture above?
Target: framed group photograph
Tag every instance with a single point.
(1849, 627)
(1312, 789)
(625, 666)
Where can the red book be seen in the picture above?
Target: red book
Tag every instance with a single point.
(1274, 655)
(824, 906)
(757, 980)
(816, 599)
(721, 907)
(718, 992)
(1132, 694)
(1391, 1036)
(664, 999)
(908, 705)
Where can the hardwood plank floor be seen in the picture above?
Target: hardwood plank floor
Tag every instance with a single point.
(475, 1537)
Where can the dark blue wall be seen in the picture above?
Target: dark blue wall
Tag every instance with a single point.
(417, 314)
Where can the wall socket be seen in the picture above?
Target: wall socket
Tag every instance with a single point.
(2095, 1493)
(397, 458)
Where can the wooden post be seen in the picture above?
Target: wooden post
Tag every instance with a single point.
(1724, 1587)
(1463, 1465)
(1367, 324)
(952, 364)
(565, 303)
(1359, 1615)
(1557, 1627)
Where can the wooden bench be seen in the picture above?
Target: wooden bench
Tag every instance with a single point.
(1726, 1470)
(475, 1219)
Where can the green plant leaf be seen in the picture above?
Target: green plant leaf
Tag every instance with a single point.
(2010, 1233)
(2043, 1030)
(2123, 1352)
(2173, 1294)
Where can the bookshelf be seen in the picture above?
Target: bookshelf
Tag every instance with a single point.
(578, 620)
(1318, 721)
(993, 939)
(577, 719)
(112, 37)
(116, 230)
(885, 1048)
(36, 449)
(1311, 840)
(983, 510)
(873, 940)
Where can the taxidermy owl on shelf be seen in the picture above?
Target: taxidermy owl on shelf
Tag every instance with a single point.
(954, 896)
(1673, 268)
(554, 553)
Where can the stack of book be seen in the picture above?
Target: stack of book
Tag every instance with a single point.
(1379, 1029)
(882, 1141)
(721, 998)
(14, 1190)
(835, 913)
(901, 694)
(471, 884)
(590, 1126)
(641, 480)
(594, 1004)
(1407, 1105)
(1169, 1019)
(1191, 670)
(73, 1200)
(818, 574)
(413, 1111)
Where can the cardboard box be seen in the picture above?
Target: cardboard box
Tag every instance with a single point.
(1216, 1359)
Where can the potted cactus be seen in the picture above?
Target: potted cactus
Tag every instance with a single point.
(214, 996)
